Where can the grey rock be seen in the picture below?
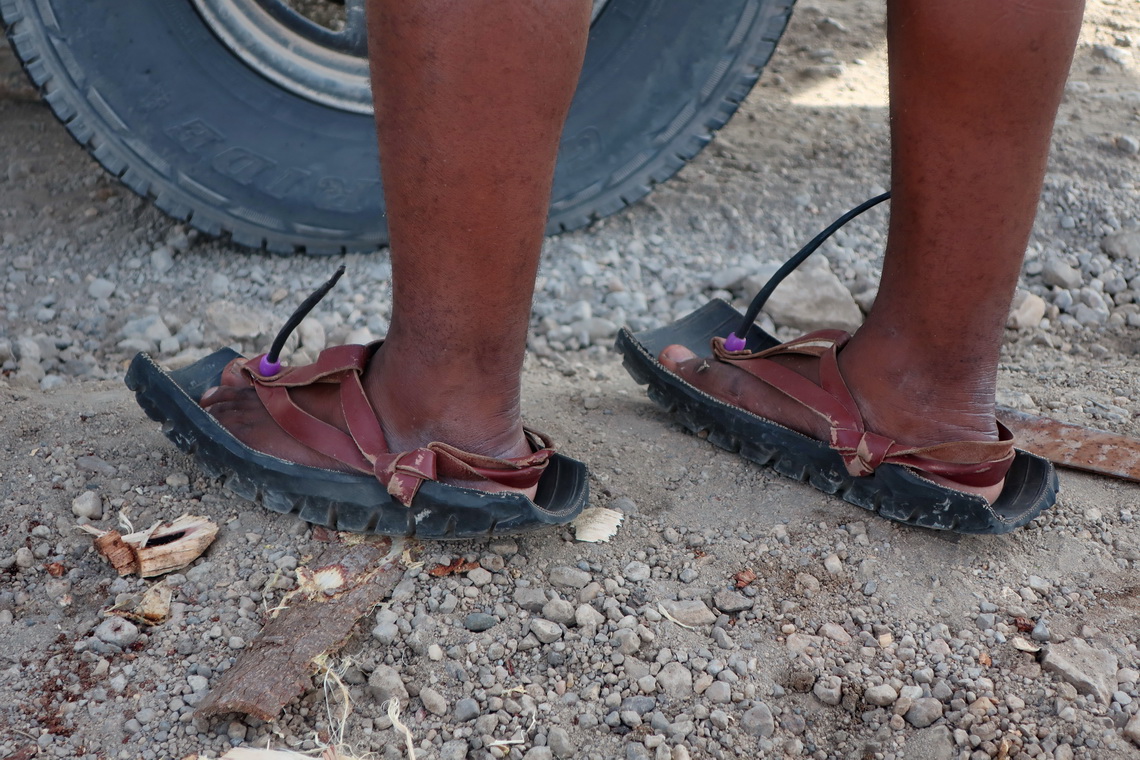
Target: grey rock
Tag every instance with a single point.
(1027, 311)
(456, 749)
(1092, 671)
(385, 684)
(719, 693)
(545, 631)
(466, 709)
(675, 680)
(87, 504)
(986, 621)
(689, 612)
(722, 639)
(1132, 730)
(731, 601)
(758, 721)
(1123, 245)
(829, 690)
(635, 572)
(117, 631)
(559, 611)
(162, 259)
(559, 742)
(640, 705)
(433, 701)
(923, 712)
(811, 298)
(25, 558)
(386, 633)
(626, 641)
(100, 288)
(1059, 274)
(568, 577)
(1119, 56)
(539, 753)
(479, 577)
(530, 598)
(479, 621)
(504, 547)
(934, 743)
(197, 683)
(880, 695)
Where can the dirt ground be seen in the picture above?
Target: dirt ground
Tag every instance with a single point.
(810, 141)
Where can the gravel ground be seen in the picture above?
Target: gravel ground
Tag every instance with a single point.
(856, 639)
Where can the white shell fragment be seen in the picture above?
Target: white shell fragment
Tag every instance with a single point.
(597, 524)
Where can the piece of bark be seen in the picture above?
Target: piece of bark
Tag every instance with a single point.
(164, 548)
(314, 619)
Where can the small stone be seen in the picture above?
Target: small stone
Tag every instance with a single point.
(504, 547)
(689, 612)
(25, 558)
(479, 621)
(835, 632)
(433, 701)
(479, 577)
(636, 572)
(559, 611)
(115, 630)
(559, 742)
(545, 631)
(1127, 144)
(385, 684)
(162, 259)
(811, 298)
(1091, 671)
(236, 730)
(731, 601)
(675, 680)
(880, 695)
(1027, 311)
(1123, 245)
(386, 633)
(177, 480)
(758, 721)
(1132, 730)
(934, 743)
(530, 598)
(539, 753)
(456, 749)
(1059, 274)
(719, 693)
(87, 504)
(100, 288)
(466, 709)
(829, 690)
(833, 565)
(568, 577)
(923, 712)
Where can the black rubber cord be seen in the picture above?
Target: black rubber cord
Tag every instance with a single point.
(301, 312)
(790, 265)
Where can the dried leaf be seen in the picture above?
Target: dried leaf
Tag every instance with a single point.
(1023, 624)
(457, 566)
(985, 659)
(597, 525)
(744, 577)
(55, 569)
(1023, 645)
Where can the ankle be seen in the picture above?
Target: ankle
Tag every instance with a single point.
(917, 401)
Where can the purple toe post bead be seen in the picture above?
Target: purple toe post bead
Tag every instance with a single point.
(733, 343)
(267, 368)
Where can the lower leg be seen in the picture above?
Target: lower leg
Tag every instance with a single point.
(975, 85)
(470, 101)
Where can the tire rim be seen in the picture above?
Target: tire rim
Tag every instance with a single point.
(319, 53)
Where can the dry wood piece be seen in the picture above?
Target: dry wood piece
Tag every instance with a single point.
(313, 620)
(164, 548)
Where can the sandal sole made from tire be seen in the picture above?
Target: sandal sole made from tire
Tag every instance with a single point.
(340, 500)
(892, 491)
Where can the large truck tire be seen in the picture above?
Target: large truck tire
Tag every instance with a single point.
(277, 153)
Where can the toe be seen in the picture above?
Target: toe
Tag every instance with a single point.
(672, 357)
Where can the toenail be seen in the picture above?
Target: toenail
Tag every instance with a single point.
(210, 393)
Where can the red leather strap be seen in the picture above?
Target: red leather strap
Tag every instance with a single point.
(364, 448)
(971, 463)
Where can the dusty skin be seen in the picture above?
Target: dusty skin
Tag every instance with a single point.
(890, 606)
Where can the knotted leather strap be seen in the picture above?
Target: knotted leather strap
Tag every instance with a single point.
(364, 448)
(970, 463)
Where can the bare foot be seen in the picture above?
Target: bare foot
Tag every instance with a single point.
(738, 388)
(236, 406)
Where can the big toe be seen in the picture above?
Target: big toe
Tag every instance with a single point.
(672, 357)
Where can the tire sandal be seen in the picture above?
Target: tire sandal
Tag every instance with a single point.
(389, 493)
(863, 468)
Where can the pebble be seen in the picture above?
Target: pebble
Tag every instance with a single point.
(880, 695)
(560, 611)
(636, 572)
(691, 612)
(479, 577)
(433, 701)
(828, 689)
(479, 621)
(923, 712)
(87, 504)
(466, 709)
(456, 749)
(386, 684)
(100, 288)
(118, 631)
(758, 721)
(559, 742)
(731, 601)
(675, 680)
(546, 631)
(568, 577)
